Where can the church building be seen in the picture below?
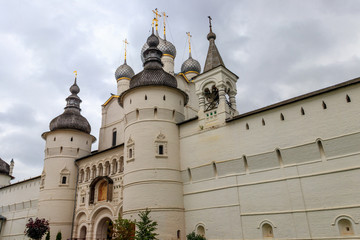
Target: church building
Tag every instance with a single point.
(174, 143)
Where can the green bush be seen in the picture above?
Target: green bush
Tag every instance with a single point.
(58, 236)
(193, 236)
(47, 236)
(123, 229)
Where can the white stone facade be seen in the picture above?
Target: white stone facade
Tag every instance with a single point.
(287, 171)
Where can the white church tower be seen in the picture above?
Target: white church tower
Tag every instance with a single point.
(68, 139)
(153, 105)
(216, 88)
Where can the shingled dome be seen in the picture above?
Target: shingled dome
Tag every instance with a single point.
(71, 118)
(153, 74)
(191, 65)
(124, 72)
(4, 167)
(166, 47)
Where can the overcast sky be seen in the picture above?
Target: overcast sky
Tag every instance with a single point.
(279, 49)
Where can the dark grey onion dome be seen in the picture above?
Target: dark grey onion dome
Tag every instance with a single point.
(71, 118)
(166, 47)
(153, 74)
(4, 167)
(124, 72)
(190, 65)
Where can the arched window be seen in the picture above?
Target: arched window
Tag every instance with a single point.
(321, 149)
(200, 230)
(100, 170)
(103, 187)
(87, 174)
(81, 177)
(345, 227)
(121, 164)
(93, 175)
(107, 168)
(267, 231)
(114, 166)
(278, 154)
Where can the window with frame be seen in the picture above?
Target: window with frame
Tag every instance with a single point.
(64, 177)
(161, 146)
(130, 150)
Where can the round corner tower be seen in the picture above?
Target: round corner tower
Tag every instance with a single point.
(153, 105)
(68, 139)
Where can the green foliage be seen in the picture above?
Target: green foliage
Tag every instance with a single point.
(123, 229)
(146, 227)
(58, 236)
(193, 236)
(47, 236)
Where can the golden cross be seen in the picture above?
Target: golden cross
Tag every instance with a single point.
(125, 42)
(188, 33)
(210, 23)
(164, 16)
(75, 74)
(156, 18)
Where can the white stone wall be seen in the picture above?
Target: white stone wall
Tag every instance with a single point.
(18, 203)
(289, 180)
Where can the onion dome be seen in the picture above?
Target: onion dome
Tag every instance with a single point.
(71, 118)
(4, 167)
(124, 72)
(153, 74)
(166, 47)
(190, 65)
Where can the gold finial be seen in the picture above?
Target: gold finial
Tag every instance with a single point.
(75, 75)
(126, 43)
(189, 37)
(156, 18)
(210, 23)
(164, 16)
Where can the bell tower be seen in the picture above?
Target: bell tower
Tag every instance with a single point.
(215, 88)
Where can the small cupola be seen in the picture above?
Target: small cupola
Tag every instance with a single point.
(71, 117)
(190, 65)
(124, 71)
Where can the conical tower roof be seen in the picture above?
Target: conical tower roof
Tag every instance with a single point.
(213, 58)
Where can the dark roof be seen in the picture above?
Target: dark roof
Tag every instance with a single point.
(4, 167)
(153, 73)
(124, 71)
(96, 152)
(213, 58)
(71, 118)
(298, 98)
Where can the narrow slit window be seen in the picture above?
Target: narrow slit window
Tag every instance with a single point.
(145, 97)
(282, 118)
(189, 174)
(324, 105)
(164, 98)
(278, 154)
(215, 169)
(302, 111)
(348, 99)
(247, 126)
(246, 165)
(263, 122)
(114, 138)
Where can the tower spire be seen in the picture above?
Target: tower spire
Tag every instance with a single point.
(164, 18)
(213, 58)
(75, 76)
(125, 43)
(189, 38)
